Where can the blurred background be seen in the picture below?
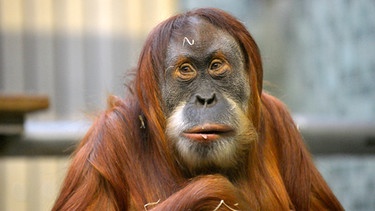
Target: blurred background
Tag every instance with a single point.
(319, 58)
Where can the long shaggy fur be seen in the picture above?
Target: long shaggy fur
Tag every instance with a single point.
(126, 161)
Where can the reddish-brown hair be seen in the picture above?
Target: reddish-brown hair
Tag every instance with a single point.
(125, 161)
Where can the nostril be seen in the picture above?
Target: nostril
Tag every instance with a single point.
(206, 101)
(201, 100)
(211, 100)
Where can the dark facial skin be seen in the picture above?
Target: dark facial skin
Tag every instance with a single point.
(205, 96)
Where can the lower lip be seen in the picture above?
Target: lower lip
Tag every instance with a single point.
(201, 133)
(202, 137)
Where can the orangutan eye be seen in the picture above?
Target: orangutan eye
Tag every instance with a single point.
(216, 64)
(185, 69)
(218, 68)
(185, 72)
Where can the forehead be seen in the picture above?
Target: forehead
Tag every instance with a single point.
(197, 37)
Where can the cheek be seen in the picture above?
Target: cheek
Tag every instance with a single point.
(245, 96)
(171, 98)
(238, 93)
(176, 123)
(173, 95)
(241, 92)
